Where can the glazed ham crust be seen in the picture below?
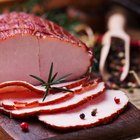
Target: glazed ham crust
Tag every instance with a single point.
(29, 44)
(22, 23)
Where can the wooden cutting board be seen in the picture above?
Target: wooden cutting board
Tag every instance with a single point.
(125, 127)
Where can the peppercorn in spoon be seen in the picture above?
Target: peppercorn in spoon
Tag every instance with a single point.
(115, 29)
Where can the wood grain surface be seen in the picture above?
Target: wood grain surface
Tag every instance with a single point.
(125, 127)
(134, 97)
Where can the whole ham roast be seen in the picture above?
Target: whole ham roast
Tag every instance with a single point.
(28, 45)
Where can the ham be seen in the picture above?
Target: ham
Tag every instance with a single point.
(29, 44)
(21, 94)
(76, 100)
(107, 109)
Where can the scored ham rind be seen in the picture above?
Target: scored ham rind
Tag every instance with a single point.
(15, 95)
(77, 99)
(106, 107)
(29, 44)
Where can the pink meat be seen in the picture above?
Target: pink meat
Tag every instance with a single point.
(73, 102)
(107, 109)
(30, 44)
(19, 94)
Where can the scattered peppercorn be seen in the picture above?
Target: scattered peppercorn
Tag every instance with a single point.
(82, 116)
(24, 126)
(117, 100)
(94, 112)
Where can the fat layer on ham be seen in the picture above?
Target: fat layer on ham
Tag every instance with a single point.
(106, 107)
(76, 100)
(30, 44)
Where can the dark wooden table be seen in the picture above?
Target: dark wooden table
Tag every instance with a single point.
(125, 127)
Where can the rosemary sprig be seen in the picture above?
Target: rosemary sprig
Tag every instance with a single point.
(51, 81)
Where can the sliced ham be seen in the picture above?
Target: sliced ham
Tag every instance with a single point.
(77, 99)
(107, 109)
(10, 89)
(29, 44)
(19, 90)
(21, 94)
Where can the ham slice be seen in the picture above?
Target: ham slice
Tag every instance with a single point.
(30, 44)
(21, 94)
(107, 109)
(76, 100)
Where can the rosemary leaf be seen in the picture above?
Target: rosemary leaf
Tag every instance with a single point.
(39, 79)
(45, 95)
(50, 73)
(61, 79)
(51, 83)
(54, 76)
(47, 84)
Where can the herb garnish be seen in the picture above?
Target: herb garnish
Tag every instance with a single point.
(51, 81)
